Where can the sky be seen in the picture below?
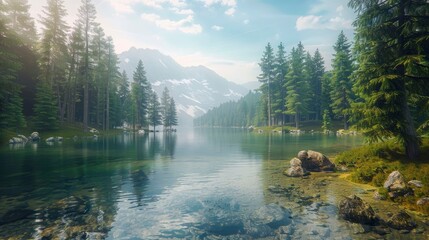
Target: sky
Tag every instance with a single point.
(227, 36)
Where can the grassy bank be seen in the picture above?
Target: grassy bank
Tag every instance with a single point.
(65, 131)
(372, 164)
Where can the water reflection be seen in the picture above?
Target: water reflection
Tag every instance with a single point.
(205, 184)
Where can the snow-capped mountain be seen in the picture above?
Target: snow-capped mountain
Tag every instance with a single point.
(194, 89)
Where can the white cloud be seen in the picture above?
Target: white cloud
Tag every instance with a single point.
(231, 4)
(182, 11)
(217, 28)
(184, 25)
(246, 21)
(228, 3)
(319, 22)
(230, 11)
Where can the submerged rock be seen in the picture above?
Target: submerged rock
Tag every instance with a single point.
(266, 220)
(401, 221)
(15, 214)
(354, 209)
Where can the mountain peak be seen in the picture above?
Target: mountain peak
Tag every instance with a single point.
(195, 89)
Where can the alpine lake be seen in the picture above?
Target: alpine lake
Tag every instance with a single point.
(191, 184)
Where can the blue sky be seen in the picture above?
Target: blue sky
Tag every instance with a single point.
(227, 36)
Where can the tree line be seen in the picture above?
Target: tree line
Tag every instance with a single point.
(69, 74)
(379, 84)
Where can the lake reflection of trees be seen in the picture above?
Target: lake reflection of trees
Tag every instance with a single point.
(75, 187)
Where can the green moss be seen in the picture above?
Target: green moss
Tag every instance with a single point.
(372, 164)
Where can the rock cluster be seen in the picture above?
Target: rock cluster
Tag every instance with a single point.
(308, 161)
(21, 139)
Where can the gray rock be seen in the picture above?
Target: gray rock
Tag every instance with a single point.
(295, 162)
(395, 181)
(401, 221)
(16, 140)
(50, 139)
(297, 171)
(355, 210)
(302, 155)
(416, 183)
(24, 138)
(34, 136)
(315, 161)
(423, 201)
(272, 215)
(378, 196)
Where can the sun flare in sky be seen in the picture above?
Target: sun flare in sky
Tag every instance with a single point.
(227, 36)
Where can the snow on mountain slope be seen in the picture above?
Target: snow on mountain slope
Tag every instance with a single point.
(194, 89)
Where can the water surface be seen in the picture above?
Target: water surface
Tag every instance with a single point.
(201, 184)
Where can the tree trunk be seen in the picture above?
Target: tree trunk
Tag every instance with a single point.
(297, 120)
(409, 134)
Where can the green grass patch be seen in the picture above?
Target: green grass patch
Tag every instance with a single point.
(372, 164)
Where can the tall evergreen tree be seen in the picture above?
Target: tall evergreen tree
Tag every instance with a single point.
(172, 114)
(140, 90)
(315, 71)
(165, 106)
(392, 46)
(266, 77)
(19, 20)
(86, 15)
(76, 48)
(11, 114)
(297, 85)
(342, 67)
(125, 98)
(53, 50)
(45, 109)
(279, 91)
(154, 110)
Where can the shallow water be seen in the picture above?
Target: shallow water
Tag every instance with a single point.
(193, 184)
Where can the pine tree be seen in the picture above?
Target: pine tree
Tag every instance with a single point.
(279, 91)
(19, 20)
(45, 109)
(392, 46)
(86, 15)
(297, 85)
(266, 77)
(172, 114)
(165, 107)
(154, 111)
(76, 48)
(315, 71)
(326, 125)
(11, 114)
(53, 51)
(342, 94)
(140, 90)
(125, 99)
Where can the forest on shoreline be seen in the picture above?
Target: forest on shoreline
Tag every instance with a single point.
(69, 75)
(379, 85)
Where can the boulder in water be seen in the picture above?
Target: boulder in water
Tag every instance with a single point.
(34, 136)
(295, 170)
(315, 161)
(401, 221)
(354, 209)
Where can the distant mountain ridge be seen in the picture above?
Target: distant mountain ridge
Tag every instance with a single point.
(195, 89)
